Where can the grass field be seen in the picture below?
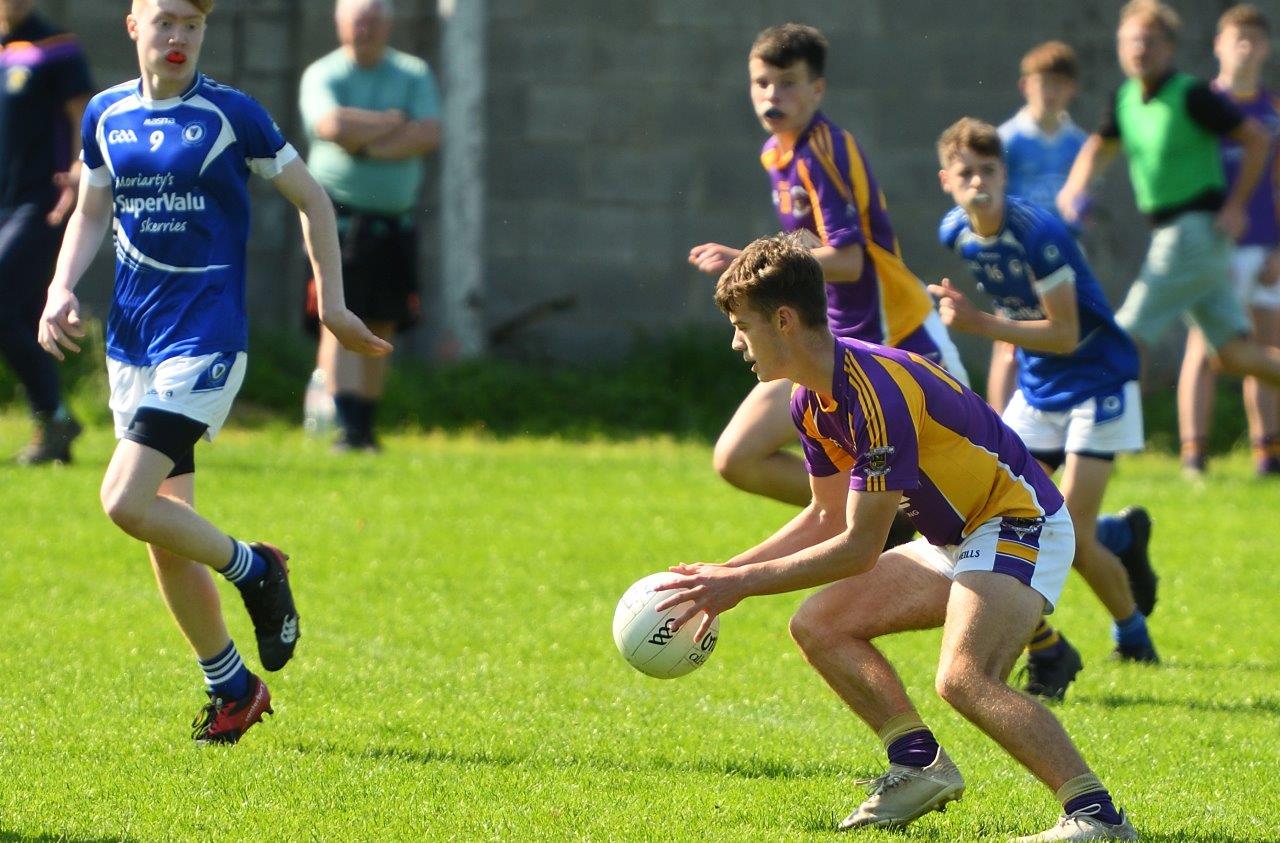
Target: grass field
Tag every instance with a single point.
(456, 676)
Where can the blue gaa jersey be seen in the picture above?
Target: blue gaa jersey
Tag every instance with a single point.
(178, 171)
(1032, 254)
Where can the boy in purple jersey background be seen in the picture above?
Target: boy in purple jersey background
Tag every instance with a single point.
(1242, 46)
(885, 430)
(169, 386)
(821, 184)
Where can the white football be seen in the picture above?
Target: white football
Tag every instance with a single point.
(644, 636)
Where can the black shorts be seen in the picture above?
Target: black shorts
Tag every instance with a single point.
(379, 268)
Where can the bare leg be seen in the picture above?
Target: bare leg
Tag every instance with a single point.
(351, 373)
(187, 587)
(834, 629)
(1260, 399)
(989, 616)
(1196, 383)
(1244, 356)
(130, 498)
(749, 452)
(1084, 480)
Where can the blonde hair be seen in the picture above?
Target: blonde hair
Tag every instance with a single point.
(1153, 12)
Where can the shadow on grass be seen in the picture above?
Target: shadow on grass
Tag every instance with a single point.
(7, 836)
(1261, 706)
(743, 768)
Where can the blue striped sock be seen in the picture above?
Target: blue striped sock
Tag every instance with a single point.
(245, 565)
(225, 674)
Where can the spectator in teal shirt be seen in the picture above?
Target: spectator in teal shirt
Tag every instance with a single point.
(371, 113)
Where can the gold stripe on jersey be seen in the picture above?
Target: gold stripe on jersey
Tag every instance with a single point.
(872, 411)
(939, 372)
(838, 456)
(802, 170)
(904, 303)
(972, 479)
(1021, 551)
(820, 141)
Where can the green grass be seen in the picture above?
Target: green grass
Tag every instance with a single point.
(456, 676)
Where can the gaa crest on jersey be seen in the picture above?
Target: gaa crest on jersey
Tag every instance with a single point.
(192, 134)
(878, 461)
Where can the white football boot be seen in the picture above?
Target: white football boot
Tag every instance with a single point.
(903, 794)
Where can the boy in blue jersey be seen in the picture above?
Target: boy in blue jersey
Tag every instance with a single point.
(884, 431)
(169, 155)
(1077, 404)
(1040, 142)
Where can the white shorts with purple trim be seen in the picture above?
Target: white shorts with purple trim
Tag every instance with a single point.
(1036, 552)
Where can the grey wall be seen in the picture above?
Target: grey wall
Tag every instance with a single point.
(620, 134)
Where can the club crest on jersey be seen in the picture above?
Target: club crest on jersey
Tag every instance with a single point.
(878, 461)
(192, 133)
(118, 136)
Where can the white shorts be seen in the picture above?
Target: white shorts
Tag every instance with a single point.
(1108, 424)
(200, 388)
(1035, 553)
(946, 348)
(1246, 265)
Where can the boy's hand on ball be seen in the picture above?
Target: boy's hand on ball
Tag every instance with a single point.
(710, 589)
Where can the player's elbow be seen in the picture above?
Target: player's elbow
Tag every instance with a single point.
(1067, 341)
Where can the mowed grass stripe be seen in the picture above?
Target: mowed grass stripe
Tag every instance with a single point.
(457, 677)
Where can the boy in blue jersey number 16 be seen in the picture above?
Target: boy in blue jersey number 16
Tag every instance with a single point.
(168, 155)
(1077, 403)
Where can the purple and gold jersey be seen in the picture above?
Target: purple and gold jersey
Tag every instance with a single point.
(824, 185)
(1262, 228)
(897, 422)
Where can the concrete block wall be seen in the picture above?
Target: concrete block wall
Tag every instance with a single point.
(619, 134)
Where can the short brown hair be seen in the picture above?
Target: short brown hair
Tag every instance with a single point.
(783, 46)
(972, 134)
(1051, 57)
(1153, 12)
(1242, 15)
(775, 272)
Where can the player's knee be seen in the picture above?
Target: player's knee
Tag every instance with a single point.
(732, 462)
(811, 629)
(124, 512)
(959, 685)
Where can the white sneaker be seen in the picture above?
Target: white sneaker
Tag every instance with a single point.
(904, 794)
(1083, 825)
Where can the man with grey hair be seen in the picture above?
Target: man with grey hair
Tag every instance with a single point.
(371, 113)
